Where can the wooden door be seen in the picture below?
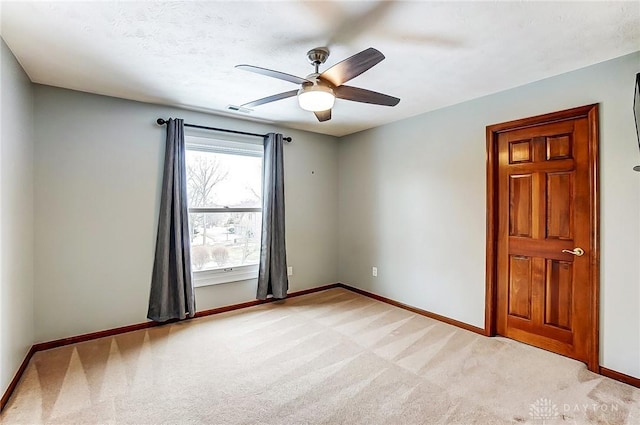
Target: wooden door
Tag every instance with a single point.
(545, 216)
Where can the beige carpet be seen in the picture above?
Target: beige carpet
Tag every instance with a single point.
(332, 357)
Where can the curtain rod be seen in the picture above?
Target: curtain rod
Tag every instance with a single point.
(162, 121)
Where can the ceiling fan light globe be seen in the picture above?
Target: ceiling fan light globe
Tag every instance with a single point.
(316, 98)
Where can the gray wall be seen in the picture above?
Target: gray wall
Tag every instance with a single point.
(98, 174)
(412, 202)
(16, 216)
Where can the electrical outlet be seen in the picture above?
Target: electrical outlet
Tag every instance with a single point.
(290, 271)
(374, 272)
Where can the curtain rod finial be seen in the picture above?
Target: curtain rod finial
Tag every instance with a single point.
(161, 121)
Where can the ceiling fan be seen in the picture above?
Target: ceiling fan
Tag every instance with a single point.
(318, 91)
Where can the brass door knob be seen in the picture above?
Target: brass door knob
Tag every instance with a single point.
(578, 252)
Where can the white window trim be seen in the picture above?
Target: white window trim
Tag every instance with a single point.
(223, 146)
(227, 274)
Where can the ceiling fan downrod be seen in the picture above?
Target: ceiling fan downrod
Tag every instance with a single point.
(318, 56)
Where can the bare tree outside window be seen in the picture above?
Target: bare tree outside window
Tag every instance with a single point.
(248, 221)
(204, 172)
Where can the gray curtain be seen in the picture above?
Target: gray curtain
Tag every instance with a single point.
(272, 277)
(172, 295)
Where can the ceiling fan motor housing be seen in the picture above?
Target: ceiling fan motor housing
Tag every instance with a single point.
(318, 55)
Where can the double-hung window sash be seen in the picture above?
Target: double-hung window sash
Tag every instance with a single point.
(232, 272)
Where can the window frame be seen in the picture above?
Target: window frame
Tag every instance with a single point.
(223, 275)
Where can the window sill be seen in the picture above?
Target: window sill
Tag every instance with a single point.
(226, 275)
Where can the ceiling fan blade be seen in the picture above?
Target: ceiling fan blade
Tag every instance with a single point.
(274, 74)
(365, 96)
(270, 99)
(351, 67)
(323, 115)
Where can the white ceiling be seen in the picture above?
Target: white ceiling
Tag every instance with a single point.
(437, 53)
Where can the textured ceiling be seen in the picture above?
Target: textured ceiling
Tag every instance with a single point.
(437, 53)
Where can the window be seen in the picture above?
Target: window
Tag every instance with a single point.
(224, 191)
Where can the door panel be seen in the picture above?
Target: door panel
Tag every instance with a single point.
(559, 205)
(544, 197)
(558, 290)
(520, 286)
(520, 152)
(559, 147)
(520, 199)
